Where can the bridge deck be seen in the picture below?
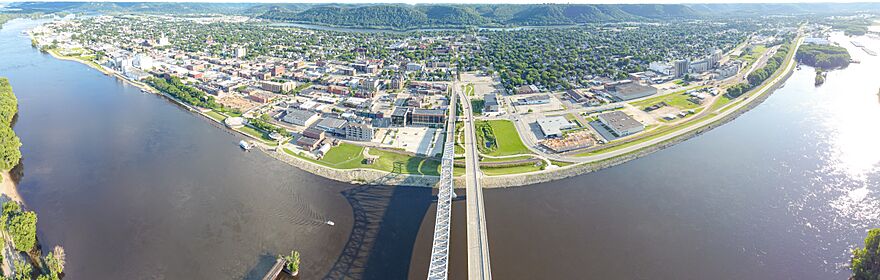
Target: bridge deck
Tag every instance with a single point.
(478, 242)
(440, 248)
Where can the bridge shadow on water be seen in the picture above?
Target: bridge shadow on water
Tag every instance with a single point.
(386, 223)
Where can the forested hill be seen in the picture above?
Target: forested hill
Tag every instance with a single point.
(402, 16)
(408, 16)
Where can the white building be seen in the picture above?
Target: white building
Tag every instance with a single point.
(661, 68)
(727, 71)
(714, 58)
(163, 41)
(553, 126)
(620, 123)
(699, 66)
(412, 66)
(681, 67)
(143, 62)
(240, 52)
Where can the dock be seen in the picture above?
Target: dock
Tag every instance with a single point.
(277, 272)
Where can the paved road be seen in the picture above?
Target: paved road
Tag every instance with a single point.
(477, 240)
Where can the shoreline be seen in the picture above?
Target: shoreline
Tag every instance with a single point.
(372, 176)
(10, 188)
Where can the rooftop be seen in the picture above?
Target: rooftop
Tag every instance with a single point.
(553, 125)
(619, 121)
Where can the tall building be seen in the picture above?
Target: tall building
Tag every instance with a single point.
(700, 66)
(163, 41)
(397, 83)
(681, 67)
(714, 58)
(240, 52)
(142, 61)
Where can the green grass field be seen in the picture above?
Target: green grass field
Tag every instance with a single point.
(721, 101)
(754, 54)
(469, 89)
(561, 163)
(216, 116)
(256, 133)
(510, 170)
(485, 159)
(350, 156)
(678, 99)
(506, 137)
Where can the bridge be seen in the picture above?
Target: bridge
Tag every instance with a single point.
(477, 240)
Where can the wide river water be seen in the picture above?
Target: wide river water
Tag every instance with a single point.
(135, 187)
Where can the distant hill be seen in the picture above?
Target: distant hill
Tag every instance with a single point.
(130, 7)
(402, 16)
(415, 16)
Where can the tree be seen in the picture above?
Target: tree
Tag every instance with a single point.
(10, 154)
(865, 263)
(23, 228)
(56, 260)
(292, 261)
(23, 270)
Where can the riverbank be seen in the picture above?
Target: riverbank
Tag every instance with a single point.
(8, 187)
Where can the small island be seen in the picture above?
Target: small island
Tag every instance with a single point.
(823, 56)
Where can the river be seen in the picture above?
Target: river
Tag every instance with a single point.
(782, 192)
(134, 187)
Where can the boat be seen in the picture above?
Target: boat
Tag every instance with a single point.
(330, 223)
(245, 145)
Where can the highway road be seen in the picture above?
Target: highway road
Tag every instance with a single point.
(477, 240)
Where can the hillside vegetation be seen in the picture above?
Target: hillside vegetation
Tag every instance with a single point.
(9, 142)
(419, 16)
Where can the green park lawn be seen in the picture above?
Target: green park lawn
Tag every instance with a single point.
(507, 141)
(469, 90)
(506, 159)
(495, 171)
(350, 156)
(753, 55)
(256, 133)
(678, 99)
(216, 116)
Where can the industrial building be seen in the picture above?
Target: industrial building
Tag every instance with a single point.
(299, 117)
(628, 90)
(552, 127)
(620, 123)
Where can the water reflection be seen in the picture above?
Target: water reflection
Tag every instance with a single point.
(384, 217)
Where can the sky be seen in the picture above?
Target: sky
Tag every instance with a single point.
(479, 1)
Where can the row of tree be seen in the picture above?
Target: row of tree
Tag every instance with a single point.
(192, 96)
(761, 74)
(10, 154)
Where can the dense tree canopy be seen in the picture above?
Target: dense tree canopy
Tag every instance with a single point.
(823, 56)
(10, 154)
(21, 225)
(188, 94)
